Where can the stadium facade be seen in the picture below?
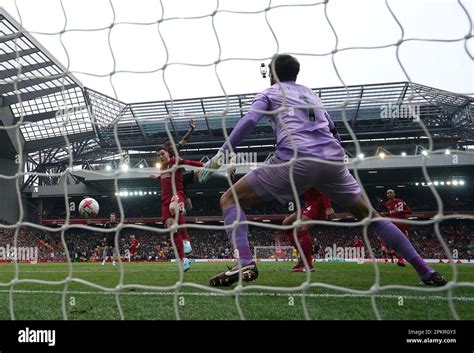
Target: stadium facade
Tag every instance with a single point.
(69, 136)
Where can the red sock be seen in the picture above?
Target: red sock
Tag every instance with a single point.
(306, 245)
(291, 239)
(183, 232)
(179, 245)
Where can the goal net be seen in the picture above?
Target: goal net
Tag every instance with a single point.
(89, 92)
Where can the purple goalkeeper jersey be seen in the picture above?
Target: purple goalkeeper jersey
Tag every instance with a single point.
(303, 124)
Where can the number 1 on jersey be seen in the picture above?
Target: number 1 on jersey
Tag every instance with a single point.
(310, 111)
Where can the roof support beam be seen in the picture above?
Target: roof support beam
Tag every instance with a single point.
(10, 37)
(171, 121)
(40, 116)
(85, 93)
(356, 113)
(35, 145)
(240, 107)
(49, 115)
(205, 118)
(400, 102)
(32, 95)
(139, 125)
(402, 96)
(24, 69)
(19, 53)
(10, 87)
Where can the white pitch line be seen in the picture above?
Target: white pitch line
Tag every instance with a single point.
(99, 270)
(251, 294)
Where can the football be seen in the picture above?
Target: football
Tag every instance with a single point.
(89, 208)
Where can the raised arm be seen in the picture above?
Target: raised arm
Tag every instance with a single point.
(406, 209)
(186, 137)
(192, 163)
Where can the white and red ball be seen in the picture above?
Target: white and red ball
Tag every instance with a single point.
(89, 208)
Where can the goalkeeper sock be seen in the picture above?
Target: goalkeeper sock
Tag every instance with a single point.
(394, 238)
(241, 231)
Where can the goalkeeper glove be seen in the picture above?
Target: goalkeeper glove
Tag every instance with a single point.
(211, 166)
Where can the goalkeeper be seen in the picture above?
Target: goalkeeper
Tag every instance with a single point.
(304, 136)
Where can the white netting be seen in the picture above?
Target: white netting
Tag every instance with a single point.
(83, 122)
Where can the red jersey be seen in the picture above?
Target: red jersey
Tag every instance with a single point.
(397, 208)
(313, 196)
(167, 178)
(358, 243)
(134, 243)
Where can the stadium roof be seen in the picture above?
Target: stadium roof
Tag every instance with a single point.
(142, 123)
(37, 88)
(53, 103)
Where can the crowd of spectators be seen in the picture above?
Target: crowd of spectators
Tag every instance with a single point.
(213, 244)
(459, 237)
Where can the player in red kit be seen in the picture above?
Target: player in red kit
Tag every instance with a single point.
(134, 244)
(188, 177)
(317, 206)
(397, 208)
(358, 243)
(174, 204)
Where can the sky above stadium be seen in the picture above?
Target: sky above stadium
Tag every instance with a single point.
(91, 49)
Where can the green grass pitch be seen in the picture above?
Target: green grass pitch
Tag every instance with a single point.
(33, 301)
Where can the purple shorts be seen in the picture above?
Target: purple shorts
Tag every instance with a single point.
(333, 180)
